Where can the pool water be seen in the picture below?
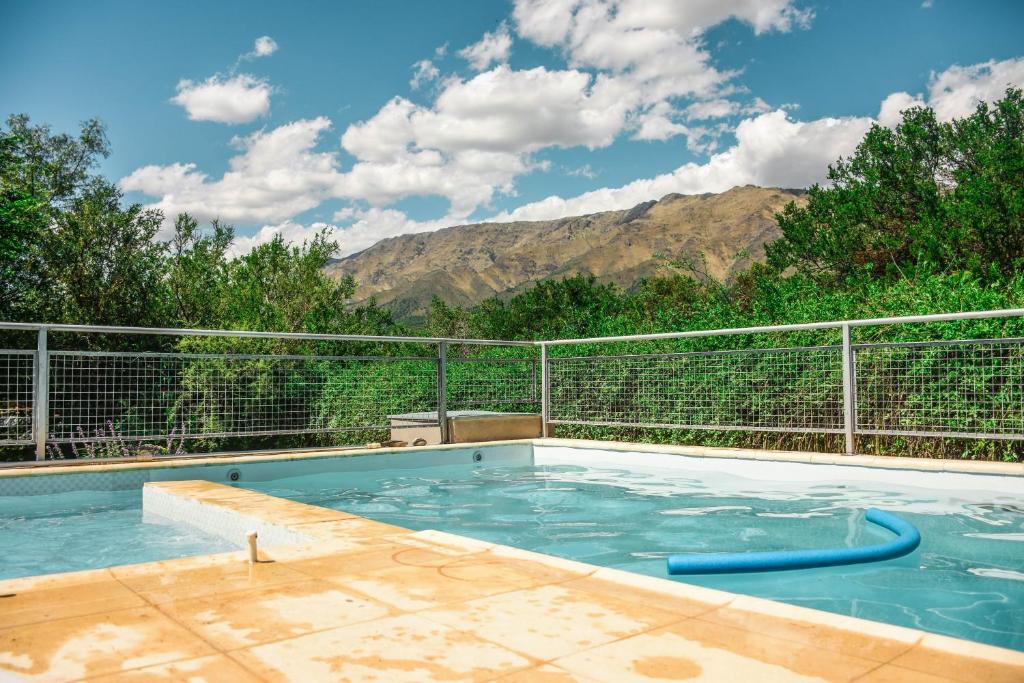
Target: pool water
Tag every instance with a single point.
(90, 529)
(965, 580)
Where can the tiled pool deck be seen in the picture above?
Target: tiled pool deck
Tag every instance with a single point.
(366, 601)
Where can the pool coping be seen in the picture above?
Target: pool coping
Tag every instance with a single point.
(988, 467)
(630, 614)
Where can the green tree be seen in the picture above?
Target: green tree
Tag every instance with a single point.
(102, 262)
(197, 272)
(927, 193)
(70, 252)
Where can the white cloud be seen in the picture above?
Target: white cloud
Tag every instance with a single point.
(238, 99)
(264, 46)
(368, 228)
(957, 91)
(423, 72)
(891, 111)
(584, 171)
(493, 48)
(770, 150)
(655, 43)
(277, 175)
(524, 110)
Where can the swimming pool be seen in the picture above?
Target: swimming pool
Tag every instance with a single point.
(89, 529)
(627, 510)
(630, 511)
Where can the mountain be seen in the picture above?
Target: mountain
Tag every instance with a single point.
(466, 264)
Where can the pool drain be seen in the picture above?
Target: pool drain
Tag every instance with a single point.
(478, 456)
(234, 475)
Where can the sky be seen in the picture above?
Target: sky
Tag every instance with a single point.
(375, 119)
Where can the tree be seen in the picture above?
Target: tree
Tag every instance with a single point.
(70, 252)
(102, 264)
(197, 272)
(573, 306)
(927, 193)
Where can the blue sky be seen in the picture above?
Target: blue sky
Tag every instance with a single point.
(525, 109)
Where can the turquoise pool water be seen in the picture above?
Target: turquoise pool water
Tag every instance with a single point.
(965, 580)
(75, 530)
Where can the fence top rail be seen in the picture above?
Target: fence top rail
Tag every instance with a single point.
(182, 332)
(799, 327)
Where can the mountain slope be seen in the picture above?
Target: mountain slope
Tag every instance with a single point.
(469, 263)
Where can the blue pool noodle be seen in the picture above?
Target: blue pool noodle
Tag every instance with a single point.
(908, 538)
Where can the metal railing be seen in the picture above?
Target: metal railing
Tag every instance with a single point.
(946, 387)
(84, 397)
(952, 388)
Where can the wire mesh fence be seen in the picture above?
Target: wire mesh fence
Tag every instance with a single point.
(498, 384)
(763, 380)
(781, 389)
(17, 382)
(967, 388)
(103, 396)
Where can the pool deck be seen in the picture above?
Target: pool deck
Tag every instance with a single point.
(365, 601)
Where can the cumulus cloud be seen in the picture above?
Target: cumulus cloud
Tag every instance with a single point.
(276, 175)
(893, 106)
(956, 92)
(366, 229)
(493, 48)
(238, 99)
(423, 72)
(264, 46)
(770, 150)
(655, 43)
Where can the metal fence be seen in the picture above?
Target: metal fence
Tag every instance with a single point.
(81, 398)
(962, 388)
(952, 388)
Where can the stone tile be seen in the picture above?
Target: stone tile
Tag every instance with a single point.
(663, 655)
(212, 669)
(203, 490)
(356, 560)
(548, 673)
(679, 601)
(551, 621)
(60, 596)
(897, 674)
(561, 563)
(280, 511)
(963, 660)
(199, 576)
(97, 644)
(794, 657)
(347, 529)
(461, 543)
(405, 648)
(414, 587)
(839, 633)
(273, 613)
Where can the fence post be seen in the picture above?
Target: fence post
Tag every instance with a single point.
(41, 400)
(849, 409)
(442, 390)
(545, 390)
